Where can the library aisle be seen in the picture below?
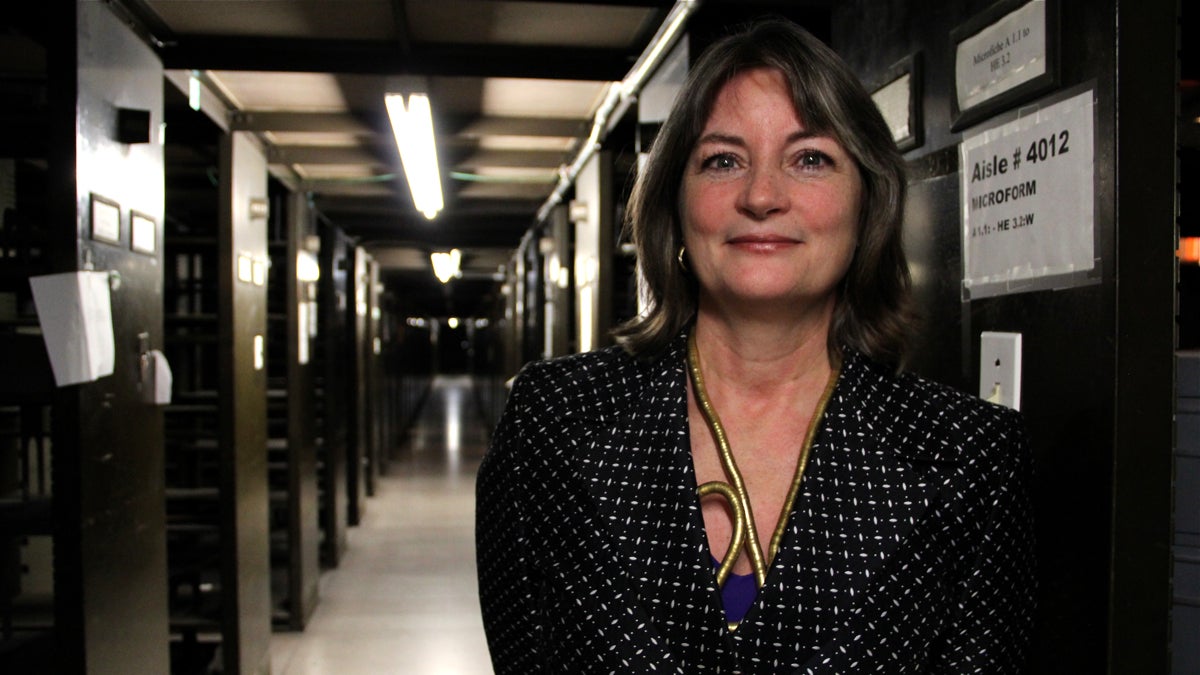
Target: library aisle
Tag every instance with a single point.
(404, 598)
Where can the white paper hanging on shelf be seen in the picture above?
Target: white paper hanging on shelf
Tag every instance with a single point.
(75, 312)
(162, 377)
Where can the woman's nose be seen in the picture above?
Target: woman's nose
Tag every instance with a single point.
(764, 193)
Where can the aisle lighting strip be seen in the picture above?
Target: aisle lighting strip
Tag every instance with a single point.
(413, 127)
(620, 95)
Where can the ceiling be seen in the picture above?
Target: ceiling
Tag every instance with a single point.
(513, 86)
(516, 86)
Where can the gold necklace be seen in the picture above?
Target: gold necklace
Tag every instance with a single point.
(744, 531)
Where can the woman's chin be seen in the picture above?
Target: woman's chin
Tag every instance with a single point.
(785, 301)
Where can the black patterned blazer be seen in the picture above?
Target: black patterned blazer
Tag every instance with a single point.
(909, 549)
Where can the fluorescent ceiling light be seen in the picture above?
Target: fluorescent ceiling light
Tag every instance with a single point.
(446, 265)
(194, 90)
(413, 128)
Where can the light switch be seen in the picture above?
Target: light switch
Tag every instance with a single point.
(1000, 368)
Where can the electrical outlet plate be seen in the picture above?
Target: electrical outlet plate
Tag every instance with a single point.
(1000, 368)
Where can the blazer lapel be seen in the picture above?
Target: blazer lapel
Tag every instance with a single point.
(650, 510)
(864, 492)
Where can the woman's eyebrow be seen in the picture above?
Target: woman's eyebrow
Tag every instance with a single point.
(717, 137)
(799, 135)
(805, 134)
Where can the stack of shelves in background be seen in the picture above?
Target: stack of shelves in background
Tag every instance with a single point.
(26, 392)
(194, 480)
(1186, 616)
(292, 427)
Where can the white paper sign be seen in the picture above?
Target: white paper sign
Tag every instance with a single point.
(1008, 53)
(302, 321)
(163, 378)
(1028, 198)
(75, 312)
(158, 384)
(260, 353)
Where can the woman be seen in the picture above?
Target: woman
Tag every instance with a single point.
(747, 485)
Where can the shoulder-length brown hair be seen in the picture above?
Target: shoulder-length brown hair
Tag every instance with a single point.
(872, 312)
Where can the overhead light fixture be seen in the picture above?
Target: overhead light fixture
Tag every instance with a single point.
(446, 265)
(412, 125)
(194, 90)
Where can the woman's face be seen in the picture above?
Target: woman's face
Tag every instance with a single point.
(769, 209)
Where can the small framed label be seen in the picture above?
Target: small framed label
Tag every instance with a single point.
(1003, 56)
(260, 272)
(106, 220)
(245, 268)
(260, 352)
(899, 100)
(259, 209)
(143, 233)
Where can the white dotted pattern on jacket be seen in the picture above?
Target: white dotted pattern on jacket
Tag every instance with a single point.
(909, 549)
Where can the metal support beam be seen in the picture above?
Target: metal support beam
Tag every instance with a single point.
(272, 54)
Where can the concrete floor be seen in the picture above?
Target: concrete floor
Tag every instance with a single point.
(404, 598)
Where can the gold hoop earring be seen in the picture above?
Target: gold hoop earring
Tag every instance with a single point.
(682, 265)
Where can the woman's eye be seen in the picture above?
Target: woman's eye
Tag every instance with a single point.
(813, 159)
(720, 161)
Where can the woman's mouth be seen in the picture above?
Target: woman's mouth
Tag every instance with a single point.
(762, 243)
